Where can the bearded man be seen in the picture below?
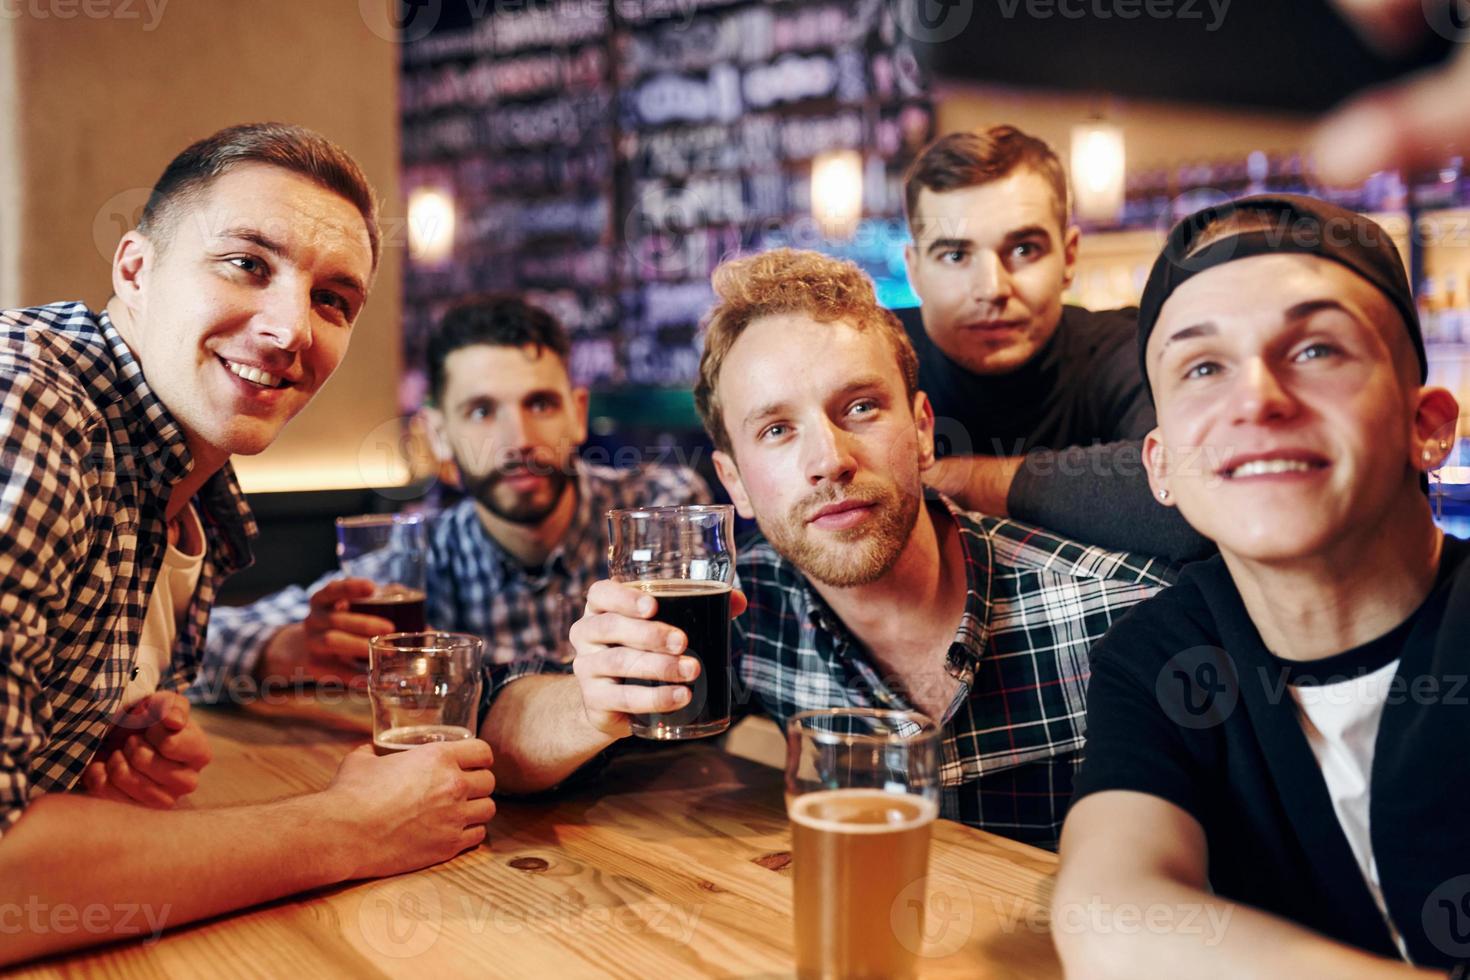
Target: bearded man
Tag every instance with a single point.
(513, 560)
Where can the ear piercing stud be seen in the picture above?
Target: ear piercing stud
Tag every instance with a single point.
(1163, 495)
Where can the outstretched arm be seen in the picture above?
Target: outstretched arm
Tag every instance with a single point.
(1126, 855)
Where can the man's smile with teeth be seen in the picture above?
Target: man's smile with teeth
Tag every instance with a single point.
(1266, 467)
(255, 375)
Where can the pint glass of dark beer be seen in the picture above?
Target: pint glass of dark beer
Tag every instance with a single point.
(390, 550)
(862, 793)
(685, 558)
(424, 688)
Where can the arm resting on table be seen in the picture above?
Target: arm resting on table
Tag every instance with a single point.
(1128, 851)
(154, 869)
(539, 730)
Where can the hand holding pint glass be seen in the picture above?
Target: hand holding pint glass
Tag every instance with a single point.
(862, 793)
(390, 550)
(684, 557)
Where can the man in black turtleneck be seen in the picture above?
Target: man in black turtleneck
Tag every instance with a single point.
(1041, 405)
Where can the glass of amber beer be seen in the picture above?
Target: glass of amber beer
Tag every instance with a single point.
(685, 558)
(862, 792)
(424, 688)
(390, 550)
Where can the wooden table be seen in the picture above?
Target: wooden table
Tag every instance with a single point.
(672, 865)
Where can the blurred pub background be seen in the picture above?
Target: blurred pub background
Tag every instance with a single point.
(602, 156)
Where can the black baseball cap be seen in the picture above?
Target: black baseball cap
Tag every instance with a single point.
(1299, 224)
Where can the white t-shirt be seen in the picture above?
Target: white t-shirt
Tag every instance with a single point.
(167, 606)
(1341, 724)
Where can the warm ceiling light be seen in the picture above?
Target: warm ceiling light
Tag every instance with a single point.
(1098, 171)
(837, 192)
(430, 225)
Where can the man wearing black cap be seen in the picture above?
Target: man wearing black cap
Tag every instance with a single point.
(1272, 775)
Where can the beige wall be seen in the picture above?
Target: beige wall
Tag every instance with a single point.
(9, 168)
(103, 102)
(1156, 134)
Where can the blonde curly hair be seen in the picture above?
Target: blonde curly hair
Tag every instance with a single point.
(788, 280)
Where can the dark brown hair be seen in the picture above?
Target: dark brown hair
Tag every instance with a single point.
(961, 160)
(497, 320)
(294, 148)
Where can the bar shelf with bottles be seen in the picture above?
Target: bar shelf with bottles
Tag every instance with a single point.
(1428, 218)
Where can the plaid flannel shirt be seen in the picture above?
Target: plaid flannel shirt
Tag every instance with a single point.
(1013, 736)
(88, 459)
(472, 585)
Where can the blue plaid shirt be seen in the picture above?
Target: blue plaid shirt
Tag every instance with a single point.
(88, 459)
(472, 584)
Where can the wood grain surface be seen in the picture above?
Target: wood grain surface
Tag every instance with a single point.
(673, 863)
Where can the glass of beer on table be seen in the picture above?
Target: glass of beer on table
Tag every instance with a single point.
(862, 793)
(685, 558)
(424, 688)
(390, 550)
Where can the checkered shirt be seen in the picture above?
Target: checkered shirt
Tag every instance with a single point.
(88, 457)
(1013, 736)
(473, 585)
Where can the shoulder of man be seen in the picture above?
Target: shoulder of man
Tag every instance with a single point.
(912, 321)
(59, 347)
(1021, 545)
(1176, 620)
(1102, 332)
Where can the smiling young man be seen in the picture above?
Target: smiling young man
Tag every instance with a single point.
(1273, 742)
(1041, 403)
(119, 517)
(512, 562)
(860, 591)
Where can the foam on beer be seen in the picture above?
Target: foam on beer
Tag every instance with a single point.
(681, 586)
(902, 811)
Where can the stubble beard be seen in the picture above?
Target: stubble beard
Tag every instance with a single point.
(515, 508)
(848, 558)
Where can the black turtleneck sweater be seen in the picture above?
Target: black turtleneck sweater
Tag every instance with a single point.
(1078, 412)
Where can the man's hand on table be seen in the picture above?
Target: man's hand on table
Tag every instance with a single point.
(331, 644)
(617, 639)
(416, 807)
(153, 757)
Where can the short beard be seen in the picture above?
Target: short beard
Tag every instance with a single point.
(522, 511)
(858, 556)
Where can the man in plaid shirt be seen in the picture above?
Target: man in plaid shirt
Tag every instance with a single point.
(511, 562)
(233, 301)
(859, 592)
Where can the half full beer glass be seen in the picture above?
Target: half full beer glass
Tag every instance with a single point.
(685, 558)
(862, 792)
